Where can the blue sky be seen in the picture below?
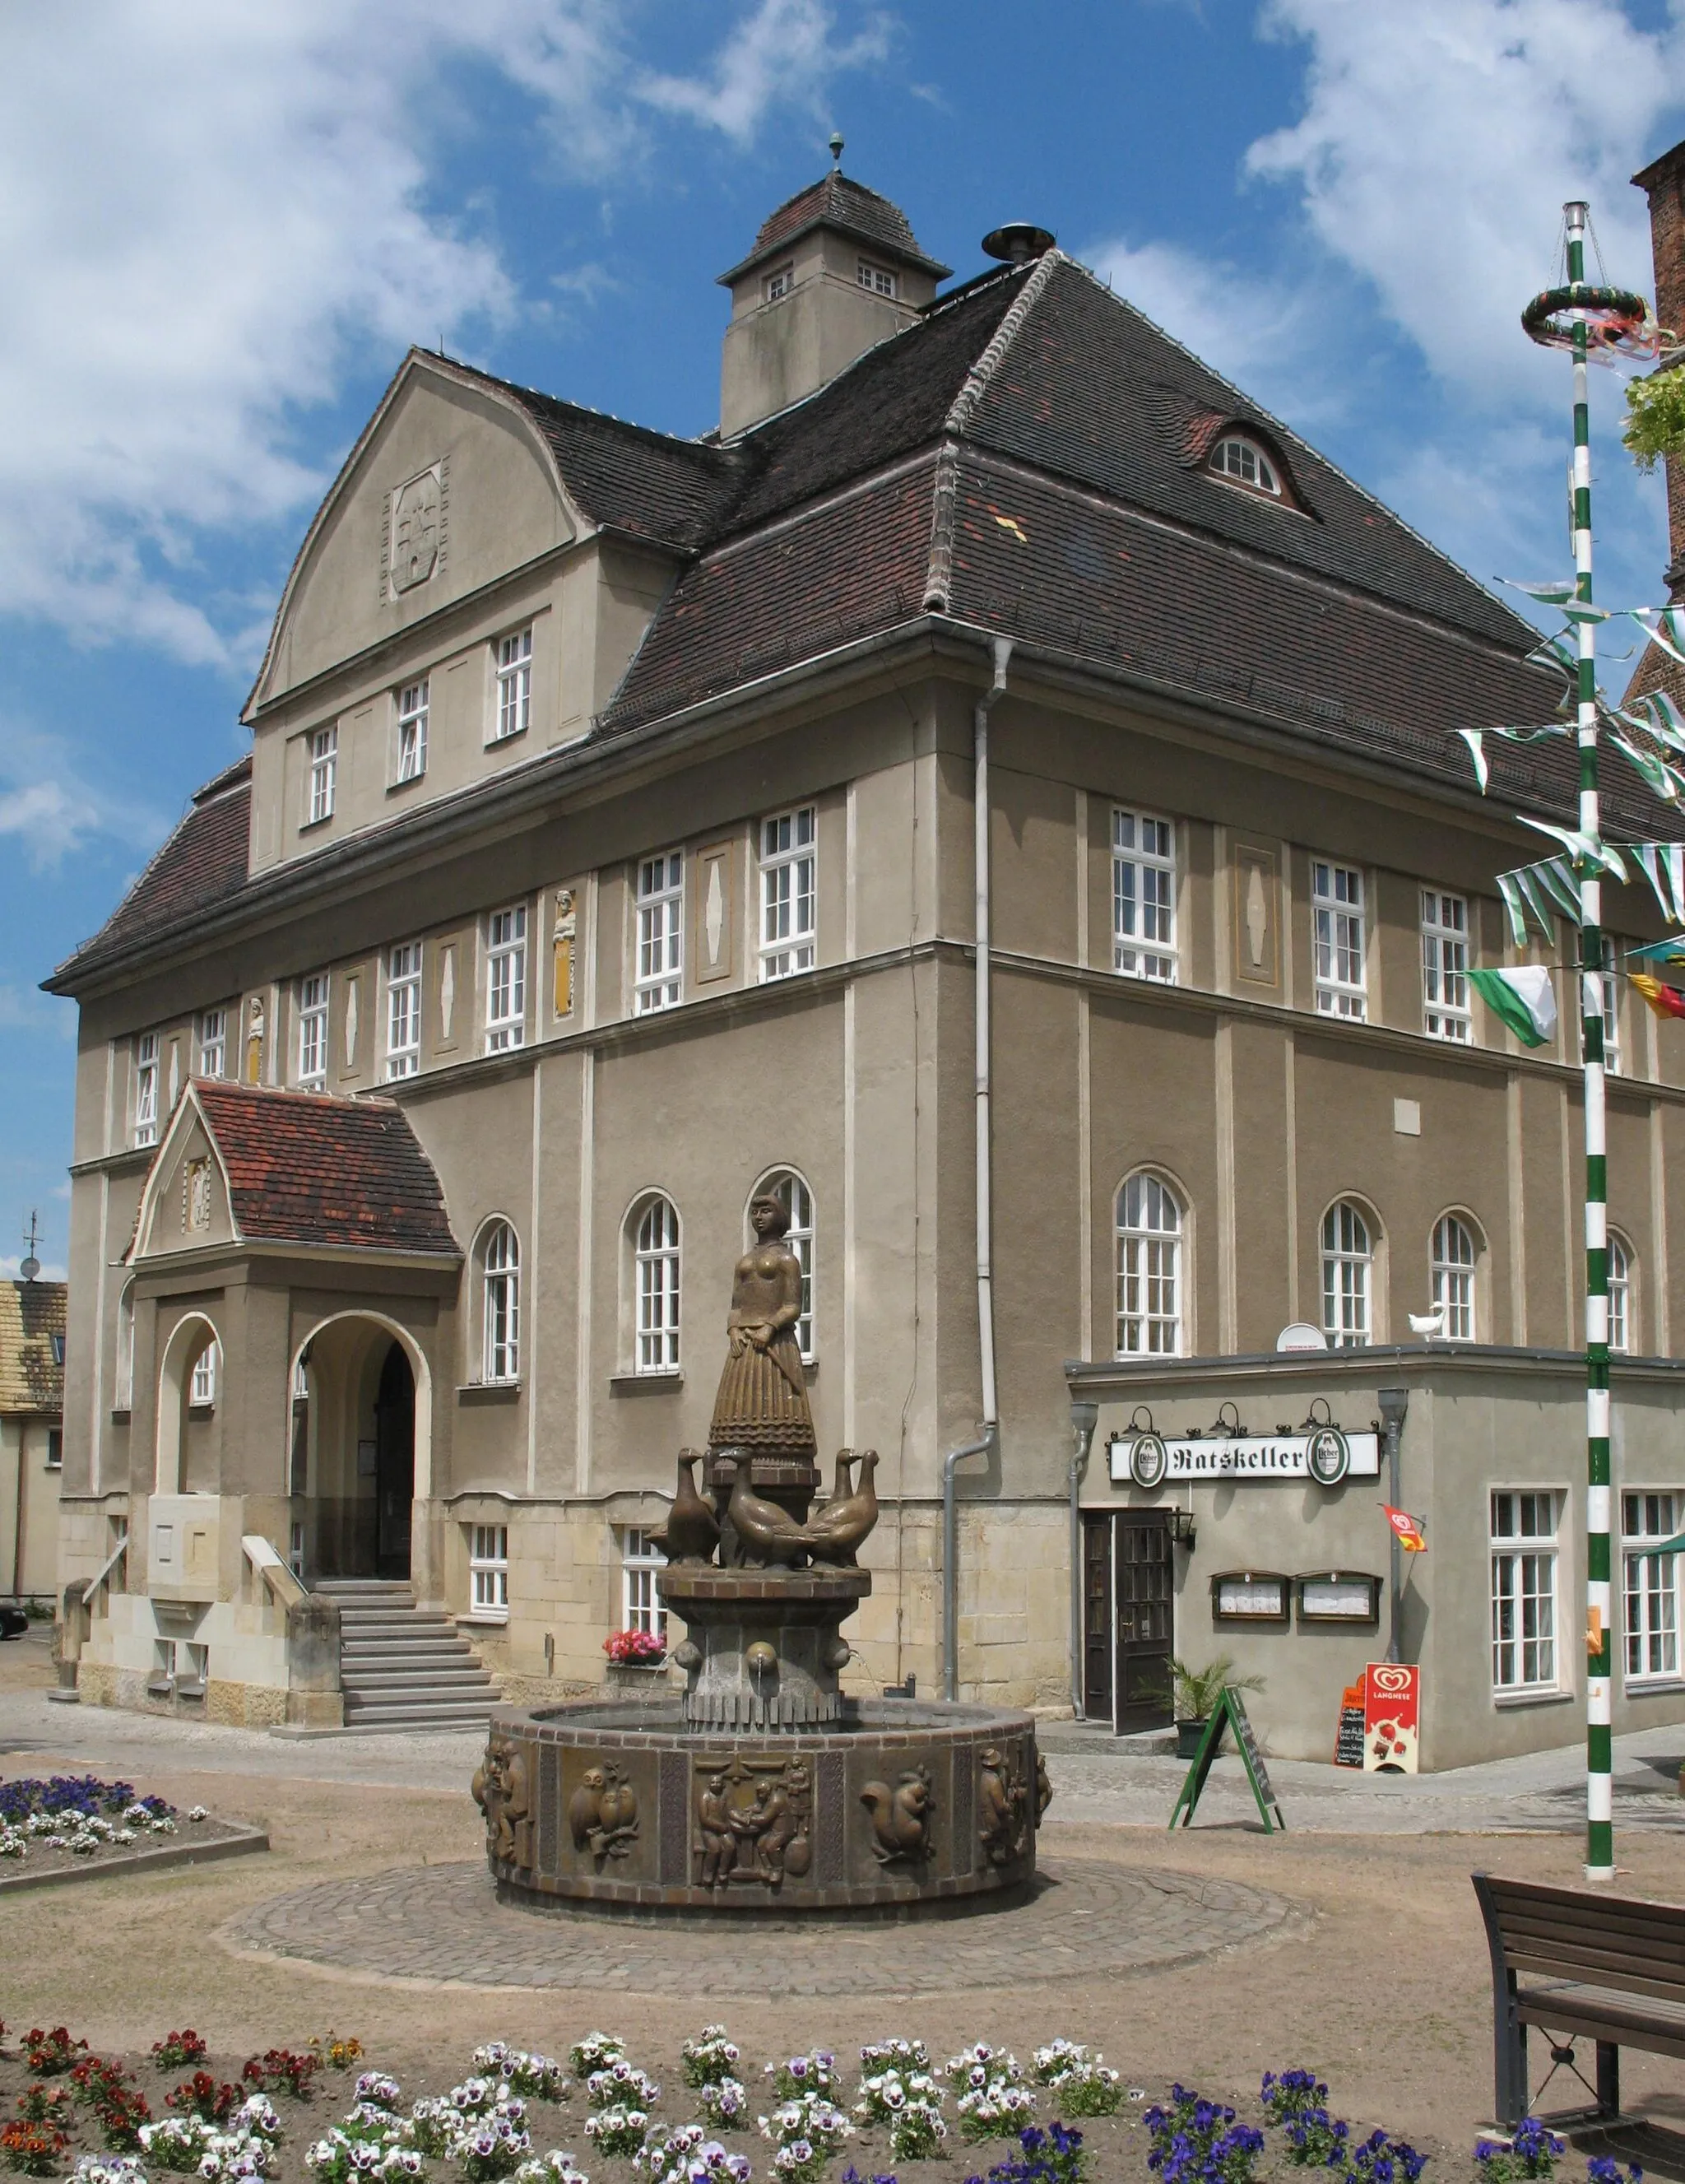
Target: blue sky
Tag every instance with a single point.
(223, 227)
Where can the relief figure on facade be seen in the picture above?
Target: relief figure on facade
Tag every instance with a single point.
(1003, 1821)
(602, 1813)
(754, 1824)
(901, 1818)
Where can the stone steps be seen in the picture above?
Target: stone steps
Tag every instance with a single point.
(404, 1667)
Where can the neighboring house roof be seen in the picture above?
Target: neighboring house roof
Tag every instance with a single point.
(304, 1168)
(1029, 457)
(32, 1349)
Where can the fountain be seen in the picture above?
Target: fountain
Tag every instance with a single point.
(764, 1788)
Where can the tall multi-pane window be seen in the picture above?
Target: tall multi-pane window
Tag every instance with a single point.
(146, 1088)
(1622, 1330)
(1611, 1011)
(488, 1569)
(660, 980)
(789, 900)
(212, 1061)
(125, 1347)
(514, 685)
(655, 1278)
(1523, 1548)
(412, 730)
(1143, 896)
(1445, 1011)
(1336, 920)
(324, 769)
(1454, 1277)
(641, 1608)
(506, 978)
(797, 1199)
(202, 1389)
(877, 278)
(500, 1336)
(1652, 1584)
(313, 1033)
(1348, 1277)
(403, 1009)
(1149, 1280)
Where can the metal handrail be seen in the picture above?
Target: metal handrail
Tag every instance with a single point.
(269, 1565)
(106, 1568)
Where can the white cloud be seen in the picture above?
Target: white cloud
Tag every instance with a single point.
(11, 1268)
(53, 800)
(208, 213)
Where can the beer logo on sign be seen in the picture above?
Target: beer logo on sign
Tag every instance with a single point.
(1149, 1459)
(1328, 1456)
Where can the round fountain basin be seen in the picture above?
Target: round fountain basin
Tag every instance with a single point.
(897, 1806)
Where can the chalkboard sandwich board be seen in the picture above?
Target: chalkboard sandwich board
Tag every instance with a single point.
(1230, 1713)
(1349, 1737)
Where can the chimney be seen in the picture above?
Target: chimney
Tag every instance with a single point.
(834, 270)
(1663, 181)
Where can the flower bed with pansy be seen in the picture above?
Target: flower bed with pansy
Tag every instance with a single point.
(67, 1822)
(319, 2114)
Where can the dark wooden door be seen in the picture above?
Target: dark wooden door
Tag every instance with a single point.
(394, 1463)
(1097, 1617)
(1145, 1606)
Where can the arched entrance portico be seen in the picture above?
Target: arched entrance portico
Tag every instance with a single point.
(361, 1448)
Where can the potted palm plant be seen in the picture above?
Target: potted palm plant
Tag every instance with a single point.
(1195, 1694)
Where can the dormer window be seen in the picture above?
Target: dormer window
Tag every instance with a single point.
(1241, 461)
(778, 284)
(878, 279)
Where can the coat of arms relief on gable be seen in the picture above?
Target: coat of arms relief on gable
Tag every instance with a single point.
(413, 546)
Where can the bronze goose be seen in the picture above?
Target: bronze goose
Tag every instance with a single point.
(837, 1530)
(691, 1531)
(766, 1532)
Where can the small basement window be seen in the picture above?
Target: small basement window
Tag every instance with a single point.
(1249, 1596)
(1242, 462)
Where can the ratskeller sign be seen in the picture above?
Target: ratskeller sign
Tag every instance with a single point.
(1323, 1453)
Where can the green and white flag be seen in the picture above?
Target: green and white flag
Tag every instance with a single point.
(1525, 998)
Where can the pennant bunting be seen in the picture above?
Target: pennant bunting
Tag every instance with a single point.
(1666, 1001)
(1585, 849)
(1654, 772)
(1663, 865)
(1523, 998)
(1671, 950)
(1664, 626)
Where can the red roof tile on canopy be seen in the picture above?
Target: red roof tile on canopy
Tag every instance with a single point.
(304, 1168)
(834, 201)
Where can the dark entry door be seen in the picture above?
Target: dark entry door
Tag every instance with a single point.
(1145, 1604)
(394, 1463)
(1097, 1617)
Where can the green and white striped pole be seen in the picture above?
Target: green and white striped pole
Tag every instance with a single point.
(1600, 1810)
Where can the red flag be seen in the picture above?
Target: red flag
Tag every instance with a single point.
(1666, 1001)
(1409, 1530)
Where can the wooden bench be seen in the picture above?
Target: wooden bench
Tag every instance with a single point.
(1608, 1968)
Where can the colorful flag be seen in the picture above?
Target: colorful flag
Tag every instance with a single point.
(1523, 998)
(1666, 1001)
(1411, 1530)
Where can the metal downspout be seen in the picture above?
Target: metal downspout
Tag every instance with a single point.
(991, 1423)
(1084, 1418)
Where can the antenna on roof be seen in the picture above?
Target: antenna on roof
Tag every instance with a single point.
(30, 1266)
(836, 150)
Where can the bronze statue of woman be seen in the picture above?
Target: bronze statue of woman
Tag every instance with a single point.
(762, 1405)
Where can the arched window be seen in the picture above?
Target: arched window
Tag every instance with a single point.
(500, 1347)
(203, 1391)
(1244, 463)
(1348, 1277)
(1454, 1277)
(655, 1262)
(797, 1199)
(1622, 1312)
(1150, 1275)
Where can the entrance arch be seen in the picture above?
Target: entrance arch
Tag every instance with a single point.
(364, 1454)
(184, 1462)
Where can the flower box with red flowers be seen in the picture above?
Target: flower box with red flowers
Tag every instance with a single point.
(635, 1649)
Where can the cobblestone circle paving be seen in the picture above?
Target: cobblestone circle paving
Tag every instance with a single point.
(1087, 1920)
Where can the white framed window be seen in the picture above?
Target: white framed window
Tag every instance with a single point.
(1149, 1277)
(514, 685)
(655, 1286)
(413, 707)
(55, 1448)
(1651, 1585)
(488, 1570)
(1445, 1011)
(797, 1199)
(1245, 463)
(641, 1608)
(1348, 1277)
(500, 1330)
(295, 1550)
(1611, 1006)
(1337, 915)
(789, 898)
(1523, 1591)
(313, 1033)
(506, 979)
(213, 1043)
(1454, 1267)
(1143, 896)
(878, 279)
(323, 771)
(403, 1009)
(1622, 1300)
(660, 981)
(123, 1391)
(146, 1088)
(777, 284)
(202, 1391)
